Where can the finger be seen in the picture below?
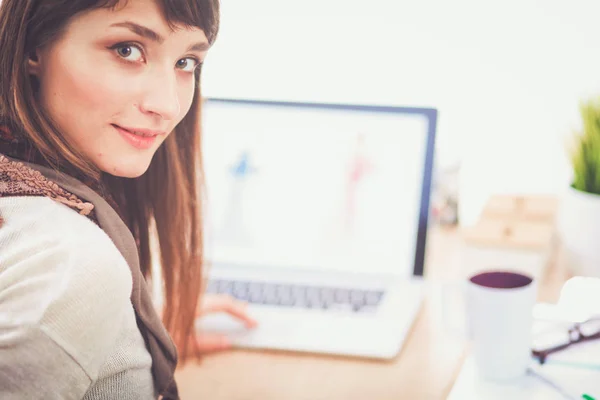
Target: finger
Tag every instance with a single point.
(229, 305)
(215, 302)
(206, 342)
(239, 310)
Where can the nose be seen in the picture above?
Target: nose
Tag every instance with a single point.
(161, 95)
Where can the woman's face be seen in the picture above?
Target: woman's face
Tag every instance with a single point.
(118, 82)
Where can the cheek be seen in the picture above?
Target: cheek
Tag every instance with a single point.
(77, 87)
(186, 96)
(90, 90)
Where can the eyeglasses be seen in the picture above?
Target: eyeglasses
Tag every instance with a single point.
(559, 337)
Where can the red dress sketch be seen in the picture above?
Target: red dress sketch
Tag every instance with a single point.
(360, 167)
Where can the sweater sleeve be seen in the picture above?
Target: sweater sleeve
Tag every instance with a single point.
(38, 368)
(62, 297)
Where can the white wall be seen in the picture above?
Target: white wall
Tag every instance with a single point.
(506, 77)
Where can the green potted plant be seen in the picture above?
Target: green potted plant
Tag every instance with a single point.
(579, 216)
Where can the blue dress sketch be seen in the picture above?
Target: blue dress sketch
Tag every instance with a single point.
(234, 230)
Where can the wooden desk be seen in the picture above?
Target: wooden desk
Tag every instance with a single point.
(425, 368)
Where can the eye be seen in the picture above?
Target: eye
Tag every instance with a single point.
(187, 64)
(129, 52)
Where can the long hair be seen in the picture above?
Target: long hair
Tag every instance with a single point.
(167, 197)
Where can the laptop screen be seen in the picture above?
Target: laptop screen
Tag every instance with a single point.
(314, 186)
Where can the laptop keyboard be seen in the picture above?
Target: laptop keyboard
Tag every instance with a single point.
(299, 296)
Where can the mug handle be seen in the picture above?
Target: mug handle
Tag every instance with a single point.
(455, 316)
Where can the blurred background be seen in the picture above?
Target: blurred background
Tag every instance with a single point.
(515, 83)
(507, 78)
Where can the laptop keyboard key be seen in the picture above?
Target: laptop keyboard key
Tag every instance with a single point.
(342, 296)
(286, 301)
(373, 297)
(240, 287)
(298, 291)
(225, 286)
(328, 295)
(299, 296)
(357, 296)
(255, 297)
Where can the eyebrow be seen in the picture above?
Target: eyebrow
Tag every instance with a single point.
(149, 34)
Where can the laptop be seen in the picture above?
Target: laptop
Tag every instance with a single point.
(317, 215)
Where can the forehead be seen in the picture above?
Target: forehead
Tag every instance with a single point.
(148, 13)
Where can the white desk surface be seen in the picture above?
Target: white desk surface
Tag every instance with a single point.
(573, 381)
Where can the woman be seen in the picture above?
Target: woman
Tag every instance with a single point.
(99, 148)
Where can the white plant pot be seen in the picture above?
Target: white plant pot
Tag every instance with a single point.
(579, 230)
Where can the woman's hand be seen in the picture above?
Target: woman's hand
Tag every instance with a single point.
(210, 342)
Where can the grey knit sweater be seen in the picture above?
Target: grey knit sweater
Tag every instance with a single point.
(67, 325)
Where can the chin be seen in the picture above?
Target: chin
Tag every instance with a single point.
(126, 170)
(130, 174)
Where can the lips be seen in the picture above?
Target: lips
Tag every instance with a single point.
(139, 138)
(140, 133)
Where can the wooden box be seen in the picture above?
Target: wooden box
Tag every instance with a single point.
(533, 208)
(513, 233)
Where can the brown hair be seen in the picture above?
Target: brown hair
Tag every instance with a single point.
(168, 194)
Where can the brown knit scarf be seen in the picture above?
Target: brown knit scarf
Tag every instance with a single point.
(24, 172)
